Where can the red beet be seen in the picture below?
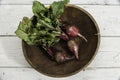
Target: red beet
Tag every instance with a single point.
(73, 31)
(61, 57)
(73, 48)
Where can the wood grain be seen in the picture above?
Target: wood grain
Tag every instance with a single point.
(96, 2)
(107, 18)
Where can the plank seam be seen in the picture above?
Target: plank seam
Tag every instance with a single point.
(72, 4)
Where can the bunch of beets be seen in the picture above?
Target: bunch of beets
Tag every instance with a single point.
(68, 35)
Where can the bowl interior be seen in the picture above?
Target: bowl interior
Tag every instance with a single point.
(87, 27)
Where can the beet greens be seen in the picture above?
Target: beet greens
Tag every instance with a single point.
(45, 29)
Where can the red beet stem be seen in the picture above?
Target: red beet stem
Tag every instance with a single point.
(49, 51)
(64, 37)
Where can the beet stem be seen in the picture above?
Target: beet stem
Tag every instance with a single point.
(49, 51)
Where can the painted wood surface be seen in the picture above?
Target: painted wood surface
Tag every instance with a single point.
(31, 74)
(95, 2)
(11, 54)
(107, 18)
(105, 66)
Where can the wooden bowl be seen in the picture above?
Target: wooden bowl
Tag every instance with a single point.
(87, 27)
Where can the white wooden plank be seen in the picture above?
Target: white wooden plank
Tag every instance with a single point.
(31, 74)
(106, 59)
(11, 54)
(113, 2)
(10, 17)
(107, 18)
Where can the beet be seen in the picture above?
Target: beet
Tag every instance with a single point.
(61, 57)
(73, 31)
(73, 48)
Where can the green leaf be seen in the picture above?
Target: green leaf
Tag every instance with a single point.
(58, 8)
(23, 30)
(43, 28)
(25, 24)
(24, 36)
(21, 34)
(45, 24)
(38, 8)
